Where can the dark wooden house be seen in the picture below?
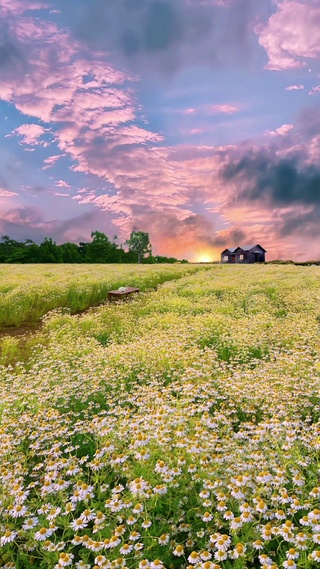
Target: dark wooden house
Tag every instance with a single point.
(244, 254)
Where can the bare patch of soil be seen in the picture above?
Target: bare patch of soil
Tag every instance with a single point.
(17, 331)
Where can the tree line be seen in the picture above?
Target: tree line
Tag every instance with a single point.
(100, 250)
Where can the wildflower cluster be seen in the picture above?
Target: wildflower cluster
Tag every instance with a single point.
(28, 294)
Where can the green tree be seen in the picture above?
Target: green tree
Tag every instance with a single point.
(32, 252)
(139, 243)
(161, 259)
(100, 250)
(70, 253)
(49, 251)
(9, 249)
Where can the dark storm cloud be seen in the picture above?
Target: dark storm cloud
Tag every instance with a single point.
(163, 35)
(23, 223)
(231, 239)
(205, 232)
(160, 29)
(260, 178)
(308, 223)
(309, 121)
(28, 223)
(78, 228)
(12, 59)
(9, 54)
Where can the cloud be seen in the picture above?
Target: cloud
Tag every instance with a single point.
(230, 238)
(224, 109)
(274, 182)
(80, 92)
(187, 112)
(173, 234)
(29, 223)
(62, 184)
(51, 160)
(273, 198)
(291, 35)
(30, 134)
(11, 54)
(294, 88)
(308, 120)
(14, 51)
(18, 7)
(20, 218)
(306, 221)
(52, 74)
(282, 130)
(315, 90)
(163, 36)
(144, 30)
(7, 193)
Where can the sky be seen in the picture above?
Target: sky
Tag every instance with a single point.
(197, 121)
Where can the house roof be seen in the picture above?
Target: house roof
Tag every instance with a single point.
(244, 248)
(229, 250)
(249, 247)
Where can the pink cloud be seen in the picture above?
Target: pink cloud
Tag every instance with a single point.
(315, 90)
(62, 184)
(282, 130)
(223, 109)
(51, 160)
(7, 193)
(136, 135)
(87, 111)
(139, 170)
(308, 150)
(45, 88)
(294, 88)
(20, 6)
(30, 222)
(97, 108)
(189, 111)
(30, 133)
(291, 35)
(197, 131)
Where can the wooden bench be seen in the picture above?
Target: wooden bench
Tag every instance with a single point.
(118, 294)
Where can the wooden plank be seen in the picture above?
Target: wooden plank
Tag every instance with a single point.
(118, 294)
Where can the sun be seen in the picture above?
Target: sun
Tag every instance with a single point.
(204, 259)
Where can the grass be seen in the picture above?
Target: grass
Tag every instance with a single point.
(30, 291)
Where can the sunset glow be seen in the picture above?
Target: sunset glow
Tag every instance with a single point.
(195, 121)
(205, 259)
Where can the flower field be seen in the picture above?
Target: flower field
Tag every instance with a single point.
(178, 429)
(26, 294)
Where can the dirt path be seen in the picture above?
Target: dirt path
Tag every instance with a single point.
(26, 328)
